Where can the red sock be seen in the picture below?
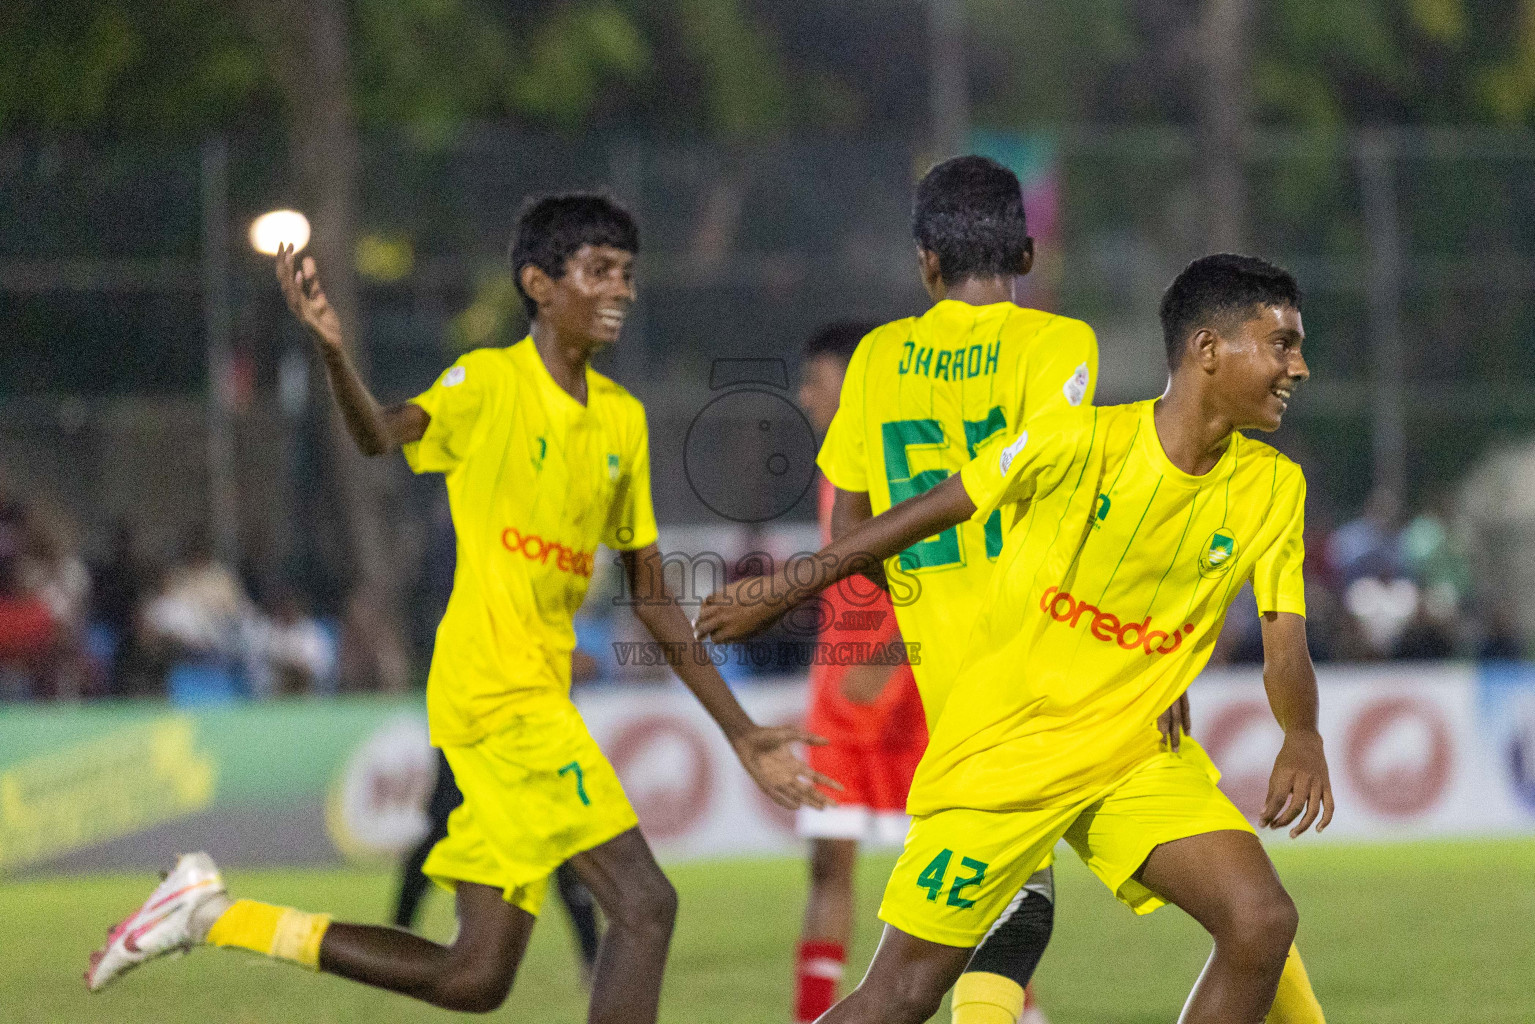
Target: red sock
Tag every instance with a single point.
(817, 969)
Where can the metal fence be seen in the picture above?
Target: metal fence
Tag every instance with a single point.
(1413, 247)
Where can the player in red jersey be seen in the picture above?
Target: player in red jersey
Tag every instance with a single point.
(864, 701)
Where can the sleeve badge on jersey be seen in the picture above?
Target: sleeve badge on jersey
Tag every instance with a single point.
(1075, 388)
(1011, 452)
(454, 376)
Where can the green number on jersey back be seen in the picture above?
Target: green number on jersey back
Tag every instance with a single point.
(976, 434)
(899, 437)
(902, 435)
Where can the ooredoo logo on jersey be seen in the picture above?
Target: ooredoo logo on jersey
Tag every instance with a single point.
(1061, 606)
(536, 549)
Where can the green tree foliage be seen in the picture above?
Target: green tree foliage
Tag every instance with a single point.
(168, 67)
(745, 91)
(429, 65)
(1314, 65)
(128, 66)
(742, 68)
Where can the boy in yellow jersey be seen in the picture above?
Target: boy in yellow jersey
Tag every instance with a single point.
(1128, 531)
(911, 414)
(920, 397)
(544, 459)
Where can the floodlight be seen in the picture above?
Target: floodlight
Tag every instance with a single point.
(280, 227)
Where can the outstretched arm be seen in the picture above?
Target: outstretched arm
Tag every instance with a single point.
(862, 684)
(850, 510)
(376, 428)
(1300, 781)
(765, 753)
(749, 605)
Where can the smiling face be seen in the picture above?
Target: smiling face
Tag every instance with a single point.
(1255, 365)
(589, 302)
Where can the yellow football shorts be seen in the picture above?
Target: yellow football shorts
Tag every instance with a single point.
(535, 794)
(961, 867)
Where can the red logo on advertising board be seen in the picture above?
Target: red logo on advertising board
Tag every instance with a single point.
(665, 811)
(1398, 786)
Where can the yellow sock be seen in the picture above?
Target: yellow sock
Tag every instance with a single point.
(1295, 1003)
(984, 998)
(280, 932)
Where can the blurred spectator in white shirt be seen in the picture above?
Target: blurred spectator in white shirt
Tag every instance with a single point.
(291, 652)
(201, 612)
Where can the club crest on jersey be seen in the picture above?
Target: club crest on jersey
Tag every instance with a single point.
(612, 466)
(1218, 554)
(454, 377)
(1075, 388)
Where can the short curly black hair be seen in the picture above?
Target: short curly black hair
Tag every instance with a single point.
(1214, 289)
(839, 338)
(551, 229)
(969, 211)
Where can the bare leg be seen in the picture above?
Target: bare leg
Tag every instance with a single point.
(829, 910)
(1225, 881)
(474, 974)
(821, 954)
(640, 907)
(905, 983)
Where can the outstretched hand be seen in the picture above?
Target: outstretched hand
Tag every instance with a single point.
(768, 757)
(737, 612)
(1299, 783)
(300, 284)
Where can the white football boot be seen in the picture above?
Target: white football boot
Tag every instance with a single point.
(167, 922)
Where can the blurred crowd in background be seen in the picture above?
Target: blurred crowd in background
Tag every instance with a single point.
(119, 622)
(1435, 580)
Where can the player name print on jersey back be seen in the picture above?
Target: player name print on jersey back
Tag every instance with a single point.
(924, 395)
(950, 364)
(536, 482)
(1092, 624)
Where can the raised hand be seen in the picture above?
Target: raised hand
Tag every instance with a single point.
(300, 283)
(768, 757)
(1299, 783)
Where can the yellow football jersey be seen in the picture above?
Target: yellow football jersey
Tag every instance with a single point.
(921, 398)
(535, 481)
(1109, 594)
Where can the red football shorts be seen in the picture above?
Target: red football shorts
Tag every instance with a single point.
(872, 804)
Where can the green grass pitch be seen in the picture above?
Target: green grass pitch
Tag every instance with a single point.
(1421, 933)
